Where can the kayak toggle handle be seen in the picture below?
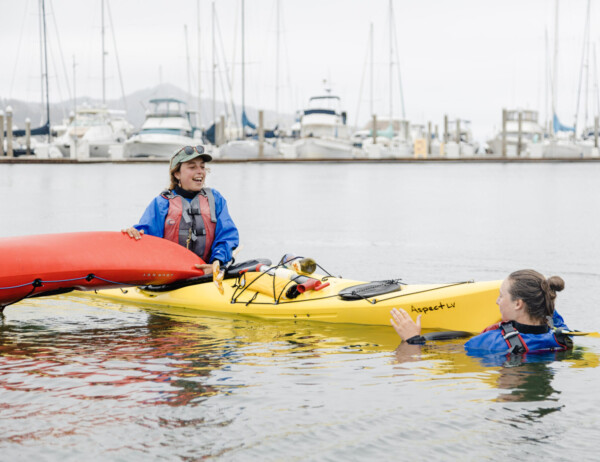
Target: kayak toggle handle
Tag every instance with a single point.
(311, 284)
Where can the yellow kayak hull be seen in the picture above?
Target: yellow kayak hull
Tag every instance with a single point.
(466, 306)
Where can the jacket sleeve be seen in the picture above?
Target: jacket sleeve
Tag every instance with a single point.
(153, 219)
(226, 234)
(558, 321)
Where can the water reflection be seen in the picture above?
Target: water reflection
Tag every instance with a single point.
(156, 357)
(72, 372)
(518, 378)
(161, 362)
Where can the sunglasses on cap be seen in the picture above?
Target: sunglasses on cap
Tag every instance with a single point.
(188, 153)
(190, 149)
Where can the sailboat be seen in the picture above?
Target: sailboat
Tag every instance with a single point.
(588, 142)
(393, 137)
(246, 148)
(561, 143)
(96, 131)
(44, 129)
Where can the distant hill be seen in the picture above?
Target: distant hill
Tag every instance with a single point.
(137, 103)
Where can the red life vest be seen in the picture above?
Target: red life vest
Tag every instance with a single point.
(192, 223)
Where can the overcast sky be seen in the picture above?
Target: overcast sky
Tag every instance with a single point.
(464, 58)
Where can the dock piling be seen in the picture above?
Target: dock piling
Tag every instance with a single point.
(458, 136)
(28, 136)
(519, 133)
(504, 118)
(429, 138)
(222, 137)
(261, 134)
(446, 135)
(9, 132)
(374, 129)
(1, 133)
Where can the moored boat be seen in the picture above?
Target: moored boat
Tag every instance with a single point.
(528, 132)
(323, 130)
(166, 129)
(98, 128)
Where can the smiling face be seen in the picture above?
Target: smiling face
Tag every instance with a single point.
(191, 175)
(508, 307)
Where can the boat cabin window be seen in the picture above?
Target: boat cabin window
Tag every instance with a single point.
(324, 102)
(168, 107)
(167, 131)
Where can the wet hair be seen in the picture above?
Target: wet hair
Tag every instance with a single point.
(536, 291)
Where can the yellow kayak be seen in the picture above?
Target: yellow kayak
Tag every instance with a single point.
(276, 295)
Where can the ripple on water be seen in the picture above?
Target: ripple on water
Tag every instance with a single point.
(83, 382)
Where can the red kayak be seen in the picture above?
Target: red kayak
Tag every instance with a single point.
(56, 263)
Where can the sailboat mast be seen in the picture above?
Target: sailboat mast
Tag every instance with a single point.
(187, 61)
(74, 88)
(596, 93)
(112, 30)
(371, 113)
(42, 41)
(103, 57)
(584, 70)
(547, 83)
(555, 70)
(214, 95)
(391, 97)
(199, 68)
(278, 13)
(243, 64)
(46, 66)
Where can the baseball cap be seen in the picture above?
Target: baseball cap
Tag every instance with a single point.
(187, 153)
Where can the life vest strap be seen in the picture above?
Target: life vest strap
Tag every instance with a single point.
(513, 338)
(208, 193)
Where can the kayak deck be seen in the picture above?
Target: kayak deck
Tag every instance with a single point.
(465, 306)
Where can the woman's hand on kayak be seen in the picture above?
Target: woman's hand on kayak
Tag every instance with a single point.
(209, 268)
(404, 325)
(133, 233)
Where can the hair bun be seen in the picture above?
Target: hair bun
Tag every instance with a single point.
(556, 283)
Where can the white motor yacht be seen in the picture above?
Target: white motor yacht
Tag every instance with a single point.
(323, 130)
(532, 134)
(166, 129)
(97, 128)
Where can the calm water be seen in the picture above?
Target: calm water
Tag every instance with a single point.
(87, 379)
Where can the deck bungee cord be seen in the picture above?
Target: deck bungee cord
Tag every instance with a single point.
(50, 264)
(39, 282)
(289, 289)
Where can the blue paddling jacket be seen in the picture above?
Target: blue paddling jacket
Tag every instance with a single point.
(513, 337)
(226, 237)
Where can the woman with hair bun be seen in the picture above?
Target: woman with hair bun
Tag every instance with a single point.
(529, 320)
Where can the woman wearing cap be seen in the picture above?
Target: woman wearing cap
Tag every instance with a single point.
(526, 303)
(191, 214)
